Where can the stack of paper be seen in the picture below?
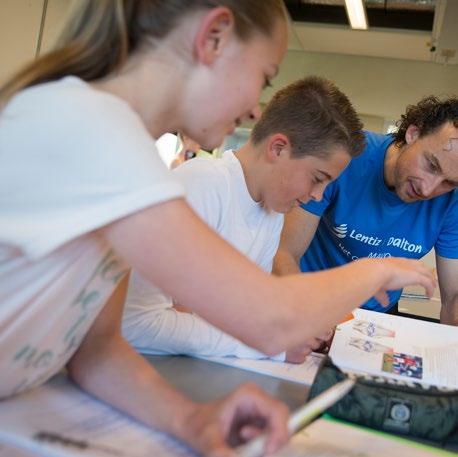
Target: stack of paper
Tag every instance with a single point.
(58, 419)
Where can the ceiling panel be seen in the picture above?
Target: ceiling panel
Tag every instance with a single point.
(445, 33)
(398, 14)
(322, 26)
(376, 43)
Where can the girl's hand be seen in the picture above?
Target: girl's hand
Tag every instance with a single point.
(215, 428)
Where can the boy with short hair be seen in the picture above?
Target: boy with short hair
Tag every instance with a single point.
(304, 139)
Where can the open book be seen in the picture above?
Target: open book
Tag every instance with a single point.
(397, 347)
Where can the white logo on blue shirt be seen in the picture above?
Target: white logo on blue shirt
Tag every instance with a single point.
(340, 230)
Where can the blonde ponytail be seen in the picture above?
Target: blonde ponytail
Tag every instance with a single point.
(100, 37)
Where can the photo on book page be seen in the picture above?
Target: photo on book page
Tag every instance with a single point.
(397, 347)
(410, 366)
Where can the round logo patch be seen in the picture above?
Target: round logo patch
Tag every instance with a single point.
(400, 412)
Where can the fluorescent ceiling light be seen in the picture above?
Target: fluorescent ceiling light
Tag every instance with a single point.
(356, 14)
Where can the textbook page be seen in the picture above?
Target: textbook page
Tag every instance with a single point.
(7, 450)
(303, 373)
(59, 420)
(397, 347)
(330, 438)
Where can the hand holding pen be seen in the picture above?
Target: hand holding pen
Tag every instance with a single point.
(301, 417)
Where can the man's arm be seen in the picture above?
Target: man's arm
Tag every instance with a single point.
(447, 272)
(298, 231)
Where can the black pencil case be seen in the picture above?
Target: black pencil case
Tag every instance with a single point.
(406, 408)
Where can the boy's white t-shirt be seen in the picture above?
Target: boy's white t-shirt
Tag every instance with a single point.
(72, 160)
(216, 189)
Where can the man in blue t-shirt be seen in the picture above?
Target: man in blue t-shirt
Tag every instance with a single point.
(399, 198)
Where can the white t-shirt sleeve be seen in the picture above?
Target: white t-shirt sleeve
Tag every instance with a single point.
(74, 160)
(152, 326)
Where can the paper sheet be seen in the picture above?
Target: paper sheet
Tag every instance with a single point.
(398, 347)
(303, 373)
(7, 450)
(328, 438)
(57, 419)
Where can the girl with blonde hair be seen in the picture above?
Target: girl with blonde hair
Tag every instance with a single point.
(84, 196)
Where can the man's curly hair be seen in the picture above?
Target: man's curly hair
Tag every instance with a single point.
(428, 115)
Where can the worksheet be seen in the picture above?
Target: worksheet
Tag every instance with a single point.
(397, 347)
(6, 450)
(330, 438)
(303, 373)
(57, 420)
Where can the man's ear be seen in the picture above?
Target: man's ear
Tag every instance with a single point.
(412, 133)
(277, 145)
(216, 28)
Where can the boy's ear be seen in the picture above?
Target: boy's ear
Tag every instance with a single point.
(412, 133)
(278, 145)
(215, 30)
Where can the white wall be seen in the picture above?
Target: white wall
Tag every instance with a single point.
(57, 12)
(377, 86)
(19, 29)
(20, 22)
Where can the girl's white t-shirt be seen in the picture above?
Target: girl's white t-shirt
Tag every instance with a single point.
(72, 160)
